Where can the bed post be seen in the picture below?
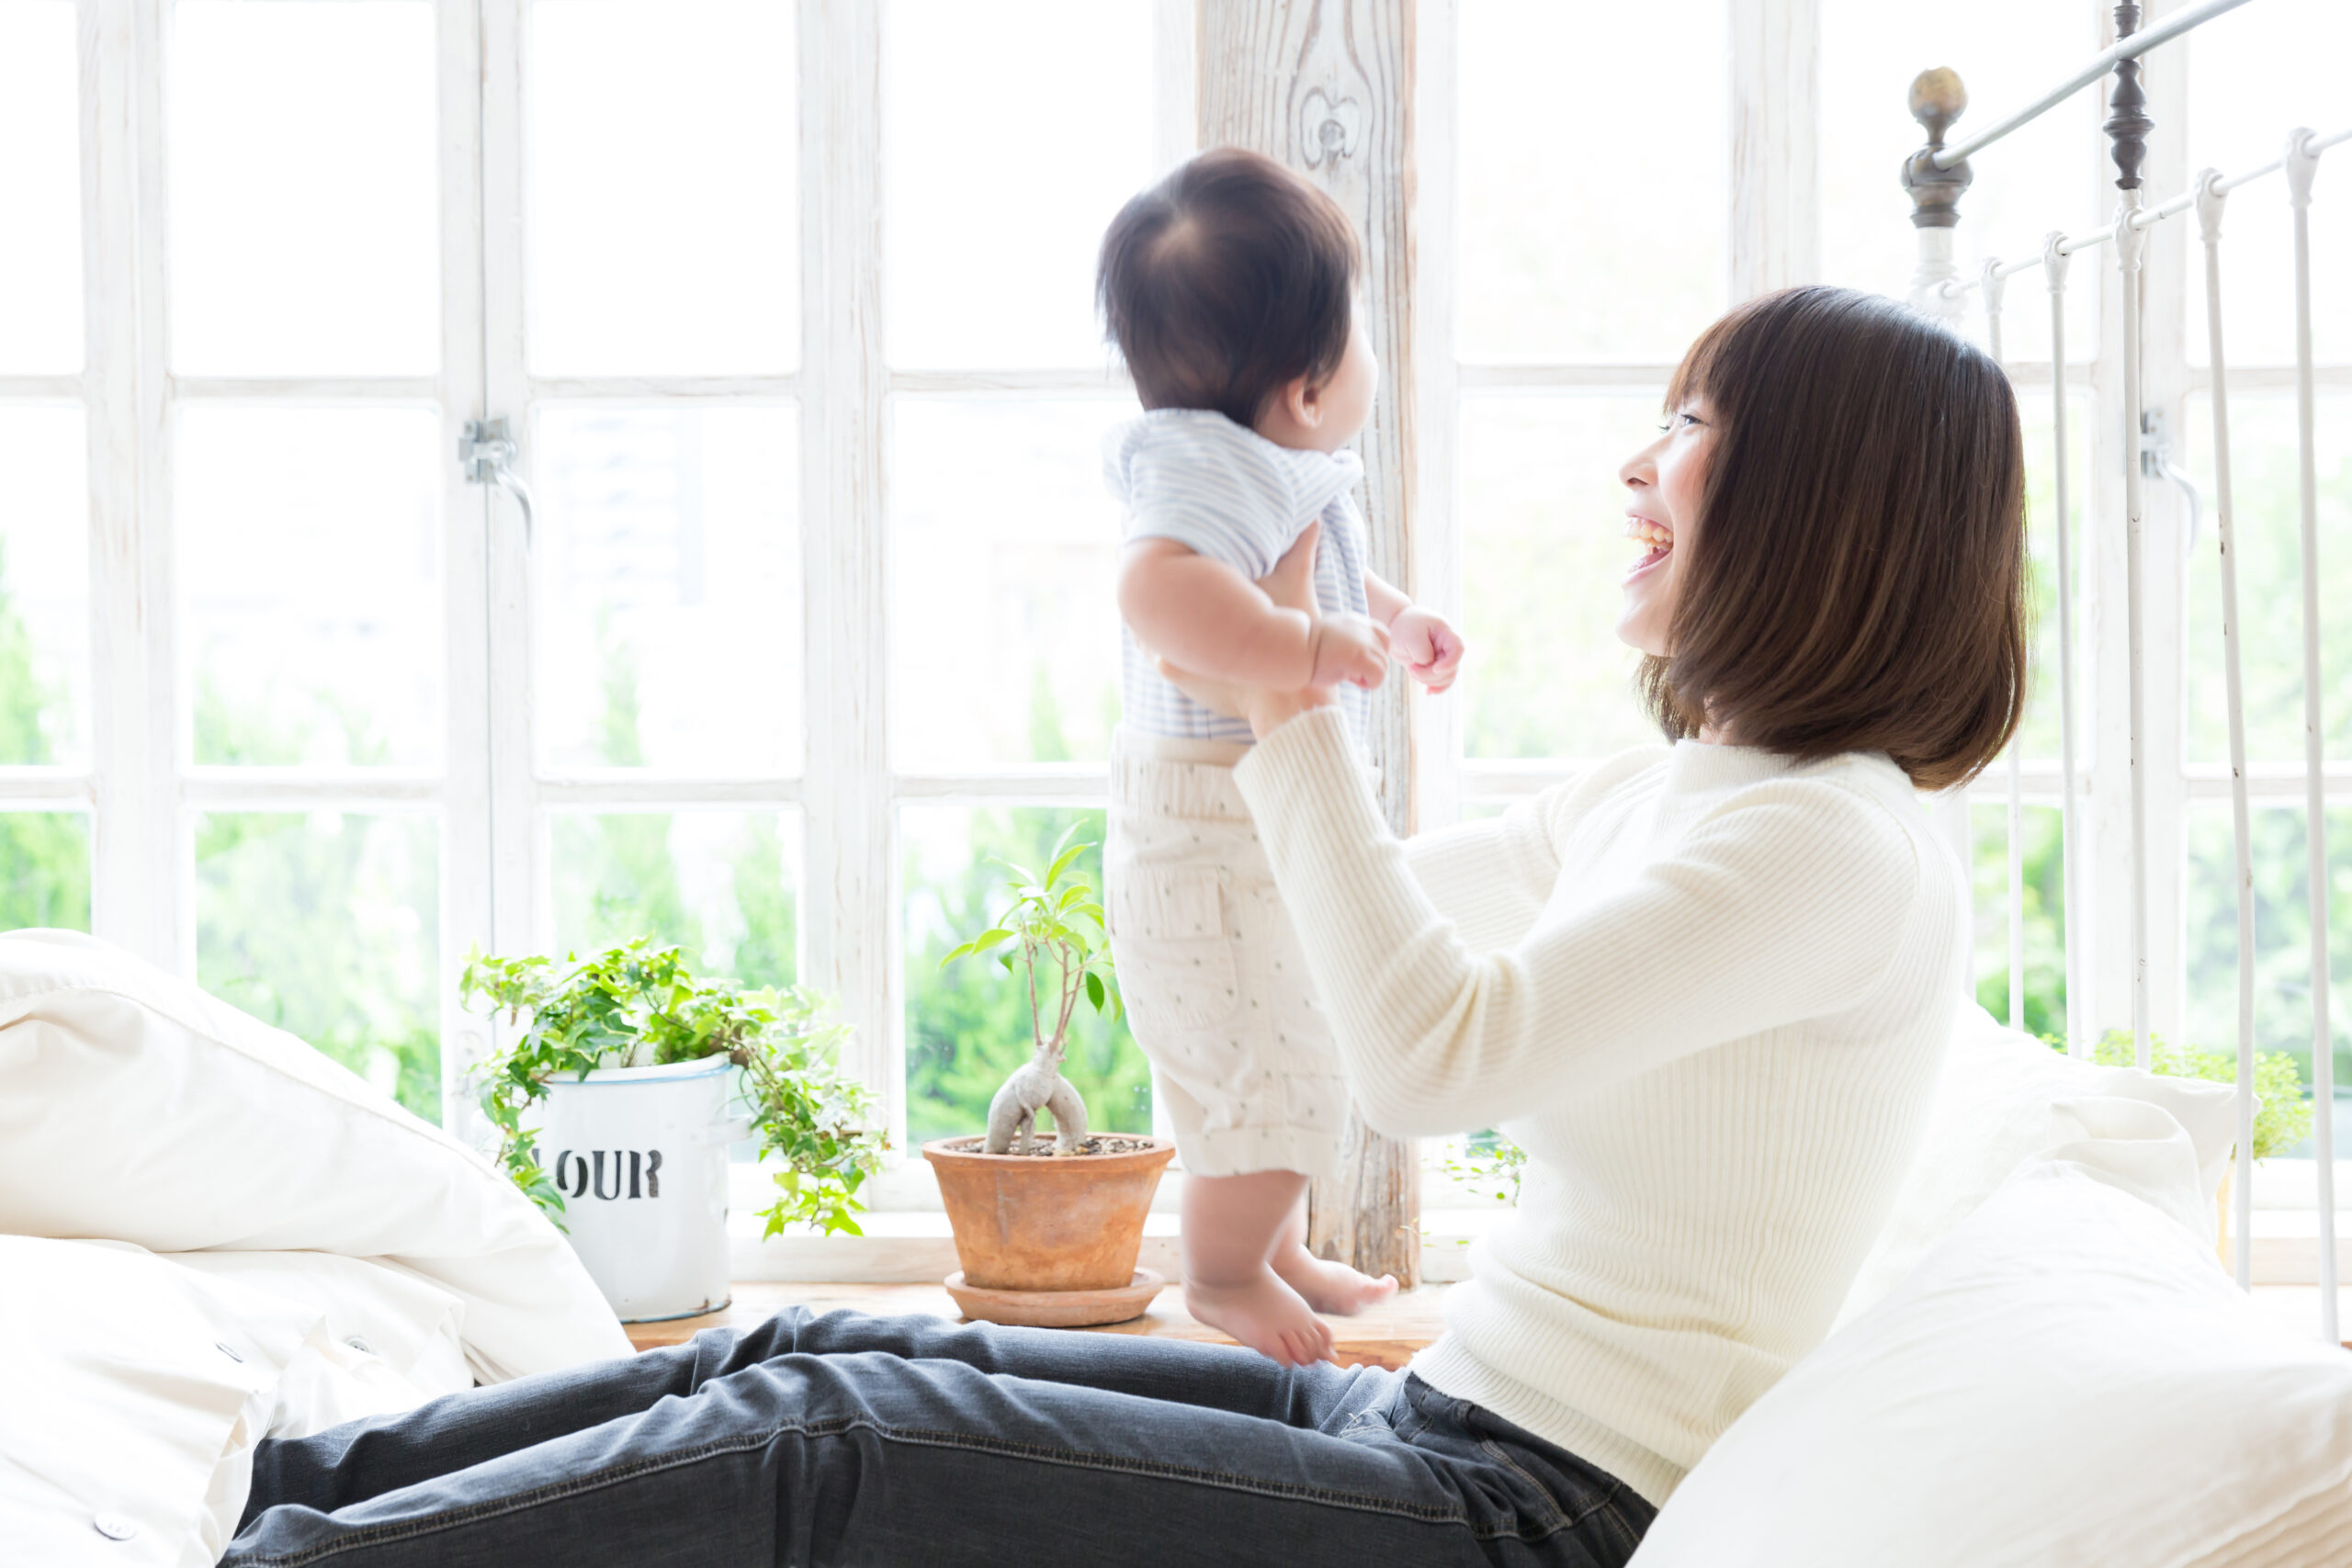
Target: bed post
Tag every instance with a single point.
(1938, 98)
(1326, 88)
(2127, 127)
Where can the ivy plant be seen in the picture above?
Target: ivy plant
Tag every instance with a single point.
(636, 1006)
(1054, 928)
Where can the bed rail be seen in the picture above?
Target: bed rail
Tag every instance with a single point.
(1936, 176)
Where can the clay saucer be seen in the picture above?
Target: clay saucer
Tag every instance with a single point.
(1057, 1309)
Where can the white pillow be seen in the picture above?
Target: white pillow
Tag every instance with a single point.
(135, 1106)
(134, 1393)
(414, 1327)
(1994, 1108)
(2068, 1379)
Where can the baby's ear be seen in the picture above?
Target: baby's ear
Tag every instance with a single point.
(1301, 401)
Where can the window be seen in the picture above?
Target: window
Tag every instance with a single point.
(788, 309)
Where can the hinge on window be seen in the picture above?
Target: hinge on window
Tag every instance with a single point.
(487, 454)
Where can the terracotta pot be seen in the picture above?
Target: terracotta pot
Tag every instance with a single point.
(1046, 1223)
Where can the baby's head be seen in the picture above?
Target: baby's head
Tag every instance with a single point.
(1230, 286)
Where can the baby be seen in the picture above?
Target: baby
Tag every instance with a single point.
(1230, 291)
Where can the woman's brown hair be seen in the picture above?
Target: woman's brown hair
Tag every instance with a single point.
(1858, 576)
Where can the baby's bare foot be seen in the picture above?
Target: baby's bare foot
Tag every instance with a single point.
(1265, 1314)
(1331, 1286)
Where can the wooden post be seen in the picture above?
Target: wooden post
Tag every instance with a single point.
(1326, 88)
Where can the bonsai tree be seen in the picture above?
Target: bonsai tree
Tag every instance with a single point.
(636, 1006)
(1054, 926)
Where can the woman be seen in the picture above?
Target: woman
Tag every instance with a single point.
(1706, 986)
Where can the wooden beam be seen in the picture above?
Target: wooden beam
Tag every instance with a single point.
(1326, 88)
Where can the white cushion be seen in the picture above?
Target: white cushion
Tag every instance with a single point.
(414, 1327)
(2068, 1379)
(135, 1106)
(134, 1392)
(1996, 1106)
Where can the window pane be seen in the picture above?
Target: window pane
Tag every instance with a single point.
(2282, 1003)
(2046, 914)
(44, 869)
(1593, 209)
(722, 884)
(2050, 174)
(310, 555)
(2253, 75)
(40, 190)
(1005, 545)
(1013, 134)
(305, 229)
(44, 586)
(327, 925)
(2043, 723)
(661, 155)
(1544, 553)
(669, 560)
(968, 1025)
(2263, 478)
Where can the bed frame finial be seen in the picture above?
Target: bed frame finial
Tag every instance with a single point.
(1938, 98)
(2127, 122)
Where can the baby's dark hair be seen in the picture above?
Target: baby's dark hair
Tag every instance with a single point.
(1225, 282)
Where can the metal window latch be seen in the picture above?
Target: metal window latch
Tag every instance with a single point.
(487, 454)
(2156, 463)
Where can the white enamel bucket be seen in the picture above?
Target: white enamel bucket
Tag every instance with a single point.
(640, 1157)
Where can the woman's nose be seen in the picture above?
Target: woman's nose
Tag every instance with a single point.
(1640, 468)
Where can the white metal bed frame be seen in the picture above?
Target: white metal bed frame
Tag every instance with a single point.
(1935, 176)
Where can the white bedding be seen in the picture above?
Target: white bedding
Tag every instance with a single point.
(242, 1191)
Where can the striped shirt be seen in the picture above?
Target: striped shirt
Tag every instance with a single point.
(1220, 490)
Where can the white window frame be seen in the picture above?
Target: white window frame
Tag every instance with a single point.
(141, 787)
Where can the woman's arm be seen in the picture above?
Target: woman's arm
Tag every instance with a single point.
(1787, 906)
(1490, 878)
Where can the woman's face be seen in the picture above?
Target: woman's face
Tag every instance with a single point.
(1667, 478)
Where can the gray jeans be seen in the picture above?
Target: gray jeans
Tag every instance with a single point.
(854, 1439)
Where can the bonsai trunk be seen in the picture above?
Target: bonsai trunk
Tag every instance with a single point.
(1037, 1084)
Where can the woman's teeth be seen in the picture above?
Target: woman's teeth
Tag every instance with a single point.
(1656, 539)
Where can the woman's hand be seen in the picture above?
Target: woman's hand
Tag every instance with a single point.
(1289, 585)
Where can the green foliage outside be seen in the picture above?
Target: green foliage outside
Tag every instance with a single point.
(44, 855)
(637, 1005)
(326, 924)
(968, 1026)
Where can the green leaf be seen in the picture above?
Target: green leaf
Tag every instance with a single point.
(1094, 989)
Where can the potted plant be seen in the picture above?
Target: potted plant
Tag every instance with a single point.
(1047, 1233)
(625, 1068)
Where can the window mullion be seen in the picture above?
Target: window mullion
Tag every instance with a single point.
(139, 869)
(468, 849)
(503, 585)
(1775, 179)
(1437, 727)
(849, 929)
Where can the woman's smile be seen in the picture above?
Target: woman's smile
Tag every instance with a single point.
(1655, 537)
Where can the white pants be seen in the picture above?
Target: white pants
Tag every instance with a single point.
(1210, 969)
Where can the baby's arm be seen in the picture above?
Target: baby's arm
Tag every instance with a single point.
(1205, 616)
(1431, 649)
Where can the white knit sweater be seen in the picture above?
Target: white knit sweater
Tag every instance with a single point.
(1706, 988)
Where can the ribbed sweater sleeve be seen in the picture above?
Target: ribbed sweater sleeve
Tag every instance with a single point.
(1786, 904)
(1490, 878)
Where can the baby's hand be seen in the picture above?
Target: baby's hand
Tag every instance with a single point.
(1349, 647)
(1431, 649)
